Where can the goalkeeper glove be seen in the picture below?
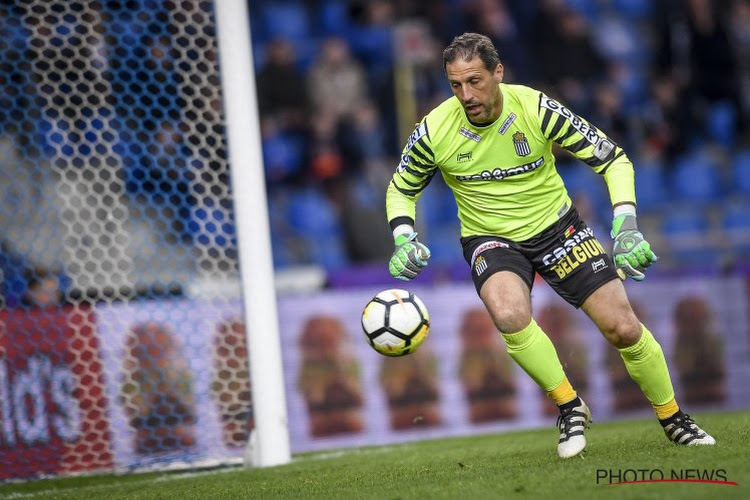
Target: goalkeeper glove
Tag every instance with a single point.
(632, 254)
(409, 257)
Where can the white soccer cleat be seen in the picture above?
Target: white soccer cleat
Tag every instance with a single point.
(681, 429)
(572, 423)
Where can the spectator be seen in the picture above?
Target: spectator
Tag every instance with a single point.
(666, 118)
(493, 18)
(561, 31)
(336, 81)
(740, 39)
(282, 94)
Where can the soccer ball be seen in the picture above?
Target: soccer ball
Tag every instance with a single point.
(395, 322)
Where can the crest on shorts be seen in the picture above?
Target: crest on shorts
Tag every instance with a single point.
(521, 144)
(480, 265)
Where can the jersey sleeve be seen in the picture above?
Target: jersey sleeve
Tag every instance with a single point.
(415, 171)
(590, 145)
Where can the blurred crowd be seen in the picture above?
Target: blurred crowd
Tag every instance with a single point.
(669, 80)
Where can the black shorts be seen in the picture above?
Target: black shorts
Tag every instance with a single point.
(566, 255)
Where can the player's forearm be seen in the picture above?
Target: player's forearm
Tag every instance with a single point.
(400, 209)
(620, 181)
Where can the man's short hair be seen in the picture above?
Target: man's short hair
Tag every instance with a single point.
(469, 45)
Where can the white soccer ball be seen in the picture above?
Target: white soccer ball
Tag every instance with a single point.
(395, 322)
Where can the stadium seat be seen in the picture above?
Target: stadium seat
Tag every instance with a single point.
(283, 156)
(741, 172)
(697, 179)
(633, 9)
(311, 213)
(687, 231)
(286, 19)
(315, 219)
(444, 244)
(327, 252)
(580, 179)
(720, 124)
(735, 225)
(437, 206)
(650, 186)
(333, 18)
(587, 8)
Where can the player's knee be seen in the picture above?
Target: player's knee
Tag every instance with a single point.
(623, 331)
(511, 318)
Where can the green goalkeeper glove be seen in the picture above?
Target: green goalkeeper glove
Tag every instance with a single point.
(631, 253)
(409, 258)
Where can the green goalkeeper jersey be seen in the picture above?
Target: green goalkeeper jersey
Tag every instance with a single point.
(503, 175)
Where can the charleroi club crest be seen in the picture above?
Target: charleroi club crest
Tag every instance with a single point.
(521, 144)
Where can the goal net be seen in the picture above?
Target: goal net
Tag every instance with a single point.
(122, 343)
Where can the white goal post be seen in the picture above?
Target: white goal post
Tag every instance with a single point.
(253, 232)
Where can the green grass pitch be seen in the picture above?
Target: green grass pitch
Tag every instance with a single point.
(512, 465)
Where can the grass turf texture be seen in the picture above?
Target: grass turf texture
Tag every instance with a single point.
(513, 465)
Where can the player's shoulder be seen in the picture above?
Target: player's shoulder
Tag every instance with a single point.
(443, 117)
(522, 94)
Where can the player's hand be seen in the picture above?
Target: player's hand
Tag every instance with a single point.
(409, 258)
(632, 254)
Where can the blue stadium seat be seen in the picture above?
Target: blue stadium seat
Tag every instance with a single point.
(720, 123)
(686, 231)
(437, 206)
(587, 8)
(580, 179)
(650, 186)
(333, 18)
(633, 9)
(316, 222)
(312, 214)
(283, 156)
(735, 224)
(741, 172)
(373, 45)
(286, 19)
(697, 179)
(444, 244)
(327, 252)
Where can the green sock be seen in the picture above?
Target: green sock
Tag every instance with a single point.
(646, 365)
(534, 352)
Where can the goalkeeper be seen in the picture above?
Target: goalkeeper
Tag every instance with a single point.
(492, 143)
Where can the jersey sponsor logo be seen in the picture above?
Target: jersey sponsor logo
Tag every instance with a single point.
(506, 124)
(575, 250)
(480, 265)
(581, 126)
(570, 241)
(488, 245)
(418, 133)
(521, 144)
(499, 174)
(468, 133)
(577, 255)
(464, 157)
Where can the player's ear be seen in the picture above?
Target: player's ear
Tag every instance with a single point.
(498, 73)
